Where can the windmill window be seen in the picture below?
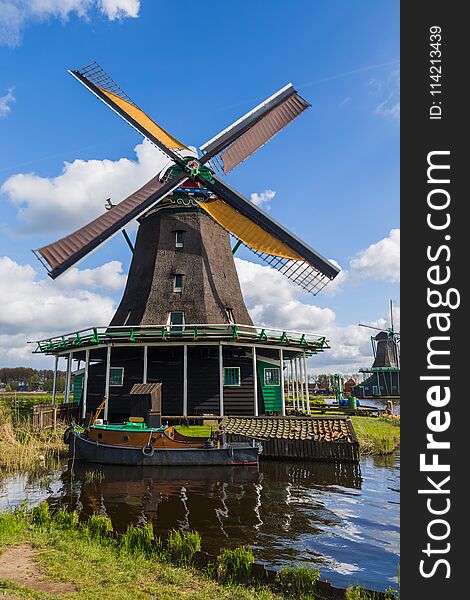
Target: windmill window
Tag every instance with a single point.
(232, 377)
(176, 321)
(272, 376)
(178, 287)
(230, 317)
(179, 239)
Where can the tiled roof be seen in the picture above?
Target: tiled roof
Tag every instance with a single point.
(307, 428)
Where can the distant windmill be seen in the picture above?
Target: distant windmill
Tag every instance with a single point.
(386, 344)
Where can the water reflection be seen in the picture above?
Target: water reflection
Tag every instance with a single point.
(342, 517)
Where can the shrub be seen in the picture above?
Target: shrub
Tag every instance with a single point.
(235, 565)
(65, 519)
(181, 547)
(99, 527)
(40, 515)
(298, 582)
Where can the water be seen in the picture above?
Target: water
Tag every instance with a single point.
(343, 518)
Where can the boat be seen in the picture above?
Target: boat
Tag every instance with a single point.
(134, 443)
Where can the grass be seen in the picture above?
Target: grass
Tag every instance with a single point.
(116, 570)
(298, 582)
(356, 592)
(235, 565)
(21, 447)
(194, 430)
(376, 435)
(94, 476)
(182, 546)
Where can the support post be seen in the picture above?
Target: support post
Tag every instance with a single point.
(85, 382)
(54, 383)
(292, 385)
(106, 386)
(283, 396)
(185, 380)
(302, 386)
(68, 377)
(297, 384)
(221, 380)
(307, 394)
(255, 383)
(146, 356)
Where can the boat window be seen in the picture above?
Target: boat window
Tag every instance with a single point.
(178, 287)
(232, 376)
(272, 376)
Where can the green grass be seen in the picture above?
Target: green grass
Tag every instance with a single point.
(115, 570)
(355, 592)
(375, 435)
(182, 546)
(235, 565)
(298, 582)
(194, 430)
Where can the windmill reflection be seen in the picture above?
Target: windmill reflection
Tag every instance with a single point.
(227, 506)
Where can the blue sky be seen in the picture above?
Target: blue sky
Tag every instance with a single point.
(195, 69)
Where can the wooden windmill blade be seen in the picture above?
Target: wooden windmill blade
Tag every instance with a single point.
(241, 139)
(272, 242)
(64, 253)
(95, 78)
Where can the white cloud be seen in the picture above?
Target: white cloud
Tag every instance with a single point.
(106, 277)
(5, 102)
(380, 260)
(389, 109)
(263, 199)
(119, 9)
(15, 15)
(35, 308)
(76, 196)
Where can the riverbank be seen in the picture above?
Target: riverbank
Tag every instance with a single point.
(43, 553)
(376, 435)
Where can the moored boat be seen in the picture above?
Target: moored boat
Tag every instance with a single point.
(134, 443)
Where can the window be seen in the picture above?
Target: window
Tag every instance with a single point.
(179, 239)
(229, 313)
(272, 376)
(116, 376)
(176, 321)
(232, 376)
(178, 287)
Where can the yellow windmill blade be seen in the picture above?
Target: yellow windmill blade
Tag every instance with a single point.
(106, 89)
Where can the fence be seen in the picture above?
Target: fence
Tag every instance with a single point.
(47, 415)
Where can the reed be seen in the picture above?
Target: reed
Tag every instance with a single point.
(94, 476)
(140, 540)
(22, 447)
(182, 546)
(99, 527)
(65, 519)
(298, 582)
(235, 565)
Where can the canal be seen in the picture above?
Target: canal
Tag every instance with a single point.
(343, 518)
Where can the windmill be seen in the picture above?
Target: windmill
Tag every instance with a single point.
(385, 370)
(182, 275)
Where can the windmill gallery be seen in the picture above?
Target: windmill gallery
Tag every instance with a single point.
(181, 344)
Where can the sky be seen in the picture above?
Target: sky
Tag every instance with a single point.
(331, 177)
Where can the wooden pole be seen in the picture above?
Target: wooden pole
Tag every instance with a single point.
(146, 356)
(283, 396)
(221, 380)
(54, 383)
(85, 382)
(68, 377)
(106, 387)
(302, 391)
(185, 380)
(297, 383)
(255, 384)
(307, 395)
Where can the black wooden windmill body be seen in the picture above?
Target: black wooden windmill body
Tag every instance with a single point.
(182, 320)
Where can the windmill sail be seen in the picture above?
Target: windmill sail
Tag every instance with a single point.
(106, 89)
(64, 253)
(272, 242)
(239, 141)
